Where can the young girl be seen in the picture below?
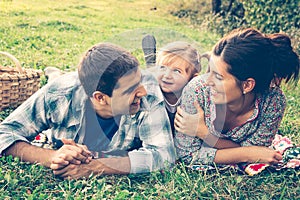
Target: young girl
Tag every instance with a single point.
(177, 63)
(240, 102)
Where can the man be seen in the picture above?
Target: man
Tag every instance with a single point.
(103, 110)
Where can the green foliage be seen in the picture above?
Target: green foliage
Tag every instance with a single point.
(272, 15)
(5, 113)
(269, 16)
(294, 33)
(199, 12)
(230, 17)
(188, 8)
(191, 10)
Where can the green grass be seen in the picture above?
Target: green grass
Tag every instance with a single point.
(56, 33)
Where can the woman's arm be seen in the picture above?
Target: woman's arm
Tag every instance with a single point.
(219, 143)
(194, 125)
(249, 154)
(190, 148)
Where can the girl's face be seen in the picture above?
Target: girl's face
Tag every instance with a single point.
(224, 87)
(173, 77)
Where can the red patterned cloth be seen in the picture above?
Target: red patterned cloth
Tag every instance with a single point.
(290, 156)
(41, 140)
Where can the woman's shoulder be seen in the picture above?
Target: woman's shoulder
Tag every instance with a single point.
(196, 90)
(274, 94)
(199, 80)
(272, 100)
(197, 85)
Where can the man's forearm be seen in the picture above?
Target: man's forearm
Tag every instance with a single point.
(116, 165)
(30, 153)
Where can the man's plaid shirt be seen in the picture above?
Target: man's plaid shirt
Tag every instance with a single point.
(59, 108)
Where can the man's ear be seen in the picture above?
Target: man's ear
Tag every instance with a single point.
(100, 97)
(248, 85)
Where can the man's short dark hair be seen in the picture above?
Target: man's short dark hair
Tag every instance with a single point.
(103, 65)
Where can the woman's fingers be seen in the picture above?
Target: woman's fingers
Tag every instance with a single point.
(179, 122)
(278, 156)
(264, 155)
(190, 124)
(179, 112)
(177, 125)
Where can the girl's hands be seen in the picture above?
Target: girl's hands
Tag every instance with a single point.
(191, 124)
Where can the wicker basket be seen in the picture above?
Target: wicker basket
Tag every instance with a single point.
(17, 84)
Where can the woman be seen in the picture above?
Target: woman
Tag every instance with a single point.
(239, 102)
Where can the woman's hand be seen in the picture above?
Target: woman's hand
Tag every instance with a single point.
(263, 155)
(191, 124)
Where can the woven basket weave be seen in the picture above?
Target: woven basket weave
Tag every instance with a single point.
(17, 84)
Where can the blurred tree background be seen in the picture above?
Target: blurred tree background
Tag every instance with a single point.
(222, 16)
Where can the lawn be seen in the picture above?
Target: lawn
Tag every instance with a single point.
(44, 33)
